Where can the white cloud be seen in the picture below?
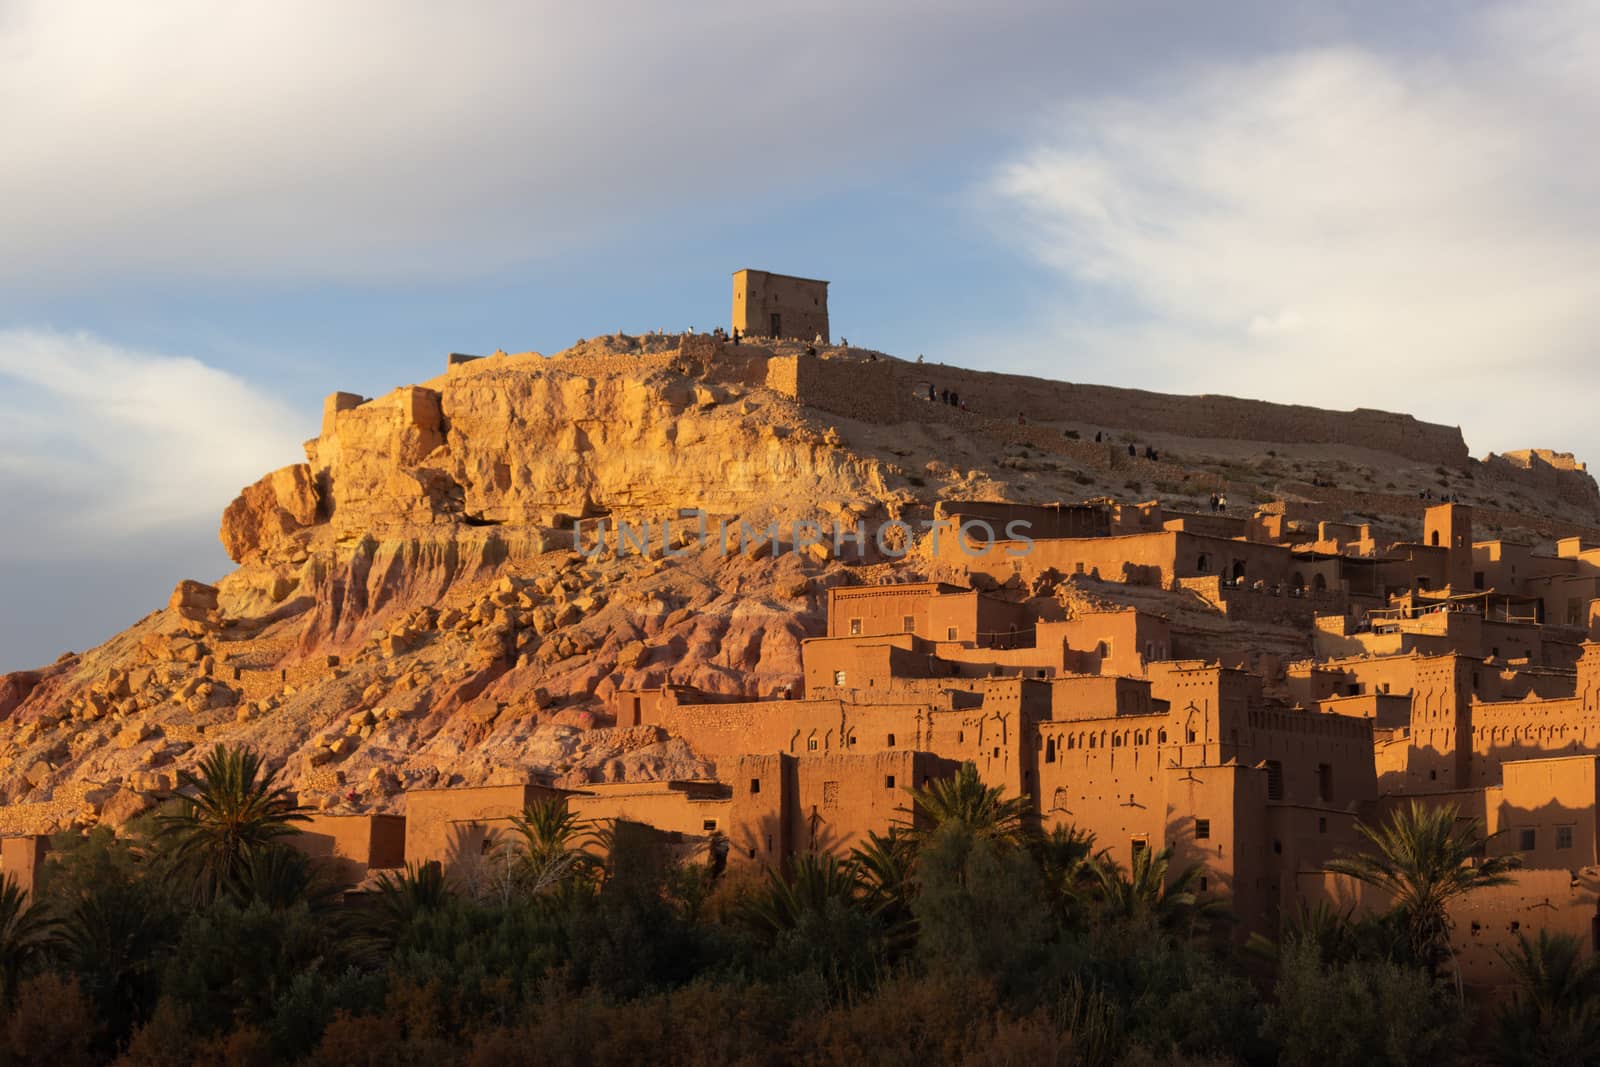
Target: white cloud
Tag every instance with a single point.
(99, 443)
(382, 140)
(1340, 226)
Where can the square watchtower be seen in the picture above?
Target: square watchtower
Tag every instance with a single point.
(778, 305)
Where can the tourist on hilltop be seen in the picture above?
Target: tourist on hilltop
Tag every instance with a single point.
(1213, 503)
(1222, 502)
(1098, 437)
(1133, 452)
(931, 394)
(963, 405)
(955, 401)
(1022, 419)
(919, 357)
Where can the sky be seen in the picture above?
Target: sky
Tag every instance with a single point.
(212, 215)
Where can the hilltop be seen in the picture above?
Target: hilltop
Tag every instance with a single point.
(411, 608)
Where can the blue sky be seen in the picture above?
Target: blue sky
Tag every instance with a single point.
(214, 215)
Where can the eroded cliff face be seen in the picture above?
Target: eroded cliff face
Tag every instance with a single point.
(409, 608)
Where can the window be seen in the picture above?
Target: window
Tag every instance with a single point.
(950, 633)
(961, 736)
(1050, 751)
(838, 677)
(1325, 782)
(890, 742)
(888, 781)
(1527, 839)
(1202, 829)
(1104, 649)
(1477, 579)
(1274, 780)
(851, 741)
(855, 627)
(1322, 824)
(908, 623)
(811, 744)
(1016, 566)
(755, 786)
(1563, 837)
(1138, 845)
(709, 824)
(1079, 566)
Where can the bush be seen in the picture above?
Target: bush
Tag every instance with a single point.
(1360, 1011)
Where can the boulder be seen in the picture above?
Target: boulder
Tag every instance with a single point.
(193, 600)
(124, 806)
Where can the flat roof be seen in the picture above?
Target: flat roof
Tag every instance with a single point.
(775, 274)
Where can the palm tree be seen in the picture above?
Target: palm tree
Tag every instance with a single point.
(234, 811)
(1555, 1018)
(1423, 858)
(1149, 891)
(26, 933)
(812, 885)
(965, 799)
(419, 888)
(545, 850)
(882, 867)
(1067, 861)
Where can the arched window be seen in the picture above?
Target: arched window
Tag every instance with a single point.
(1161, 737)
(1297, 582)
(1203, 564)
(1238, 569)
(1050, 751)
(1319, 583)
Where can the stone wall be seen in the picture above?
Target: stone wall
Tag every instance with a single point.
(889, 390)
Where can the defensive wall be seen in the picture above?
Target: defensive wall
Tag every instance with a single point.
(888, 390)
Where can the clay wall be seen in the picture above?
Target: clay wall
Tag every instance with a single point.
(22, 860)
(349, 846)
(1528, 729)
(843, 798)
(1097, 697)
(1548, 804)
(694, 809)
(1113, 641)
(867, 611)
(1488, 921)
(1048, 521)
(455, 826)
(1038, 400)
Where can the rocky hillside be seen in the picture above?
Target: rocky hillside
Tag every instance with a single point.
(411, 608)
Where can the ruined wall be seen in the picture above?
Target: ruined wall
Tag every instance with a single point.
(1554, 473)
(886, 390)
